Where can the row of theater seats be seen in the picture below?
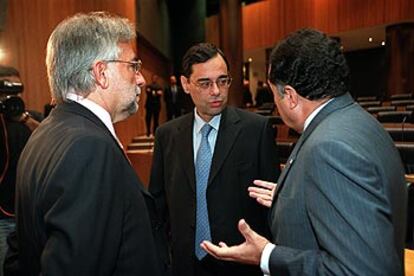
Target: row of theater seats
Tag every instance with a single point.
(397, 108)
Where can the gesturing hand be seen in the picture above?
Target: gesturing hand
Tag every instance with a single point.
(248, 252)
(263, 193)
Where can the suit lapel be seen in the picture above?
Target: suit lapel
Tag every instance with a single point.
(185, 148)
(74, 107)
(227, 134)
(335, 104)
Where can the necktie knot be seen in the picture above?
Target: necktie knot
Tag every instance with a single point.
(205, 130)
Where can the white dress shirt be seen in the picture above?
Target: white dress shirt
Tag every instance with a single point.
(96, 109)
(212, 137)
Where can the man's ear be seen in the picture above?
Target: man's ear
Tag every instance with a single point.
(100, 74)
(184, 83)
(291, 96)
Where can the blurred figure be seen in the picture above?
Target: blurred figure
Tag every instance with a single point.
(81, 209)
(173, 97)
(153, 104)
(16, 126)
(247, 95)
(263, 95)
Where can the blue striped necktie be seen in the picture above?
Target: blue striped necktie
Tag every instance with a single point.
(202, 170)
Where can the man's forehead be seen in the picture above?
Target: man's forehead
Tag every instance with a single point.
(211, 69)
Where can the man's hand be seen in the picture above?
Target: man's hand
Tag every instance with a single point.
(263, 193)
(248, 252)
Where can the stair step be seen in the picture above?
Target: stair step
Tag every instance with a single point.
(141, 145)
(144, 139)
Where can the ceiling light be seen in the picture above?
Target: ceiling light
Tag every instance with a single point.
(2, 54)
(370, 39)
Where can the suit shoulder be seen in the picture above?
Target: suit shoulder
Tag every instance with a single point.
(179, 122)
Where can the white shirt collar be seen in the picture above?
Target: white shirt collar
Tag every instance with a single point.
(199, 122)
(96, 109)
(314, 113)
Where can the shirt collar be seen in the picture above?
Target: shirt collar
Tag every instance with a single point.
(199, 122)
(96, 109)
(314, 113)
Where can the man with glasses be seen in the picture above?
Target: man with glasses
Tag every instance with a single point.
(204, 163)
(81, 210)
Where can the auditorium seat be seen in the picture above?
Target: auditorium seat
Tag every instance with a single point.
(293, 133)
(376, 109)
(394, 116)
(402, 102)
(406, 150)
(284, 149)
(400, 134)
(275, 120)
(369, 104)
(367, 99)
(405, 96)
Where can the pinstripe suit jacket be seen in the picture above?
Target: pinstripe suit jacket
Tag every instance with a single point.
(340, 204)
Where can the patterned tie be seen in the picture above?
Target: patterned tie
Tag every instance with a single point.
(202, 170)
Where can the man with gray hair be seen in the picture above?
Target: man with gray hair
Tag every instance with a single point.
(80, 206)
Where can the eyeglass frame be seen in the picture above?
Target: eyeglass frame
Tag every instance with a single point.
(136, 64)
(228, 79)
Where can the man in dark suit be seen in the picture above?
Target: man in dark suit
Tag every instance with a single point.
(200, 182)
(153, 93)
(173, 97)
(340, 203)
(80, 206)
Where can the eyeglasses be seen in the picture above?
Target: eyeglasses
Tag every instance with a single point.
(221, 82)
(136, 65)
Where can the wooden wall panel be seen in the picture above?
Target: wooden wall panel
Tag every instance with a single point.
(399, 10)
(256, 23)
(298, 14)
(266, 22)
(213, 30)
(326, 15)
(355, 14)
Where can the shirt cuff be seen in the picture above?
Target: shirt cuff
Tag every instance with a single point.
(264, 259)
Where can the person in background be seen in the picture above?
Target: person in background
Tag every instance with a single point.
(263, 94)
(339, 207)
(203, 164)
(173, 97)
(16, 127)
(247, 95)
(153, 104)
(80, 208)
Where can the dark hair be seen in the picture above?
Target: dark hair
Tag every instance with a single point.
(312, 63)
(200, 53)
(6, 71)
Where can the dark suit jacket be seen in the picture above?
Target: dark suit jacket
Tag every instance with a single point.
(340, 205)
(80, 206)
(153, 101)
(168, 98)
(245, 150)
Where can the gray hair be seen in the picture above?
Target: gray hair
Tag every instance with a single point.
(76, 43)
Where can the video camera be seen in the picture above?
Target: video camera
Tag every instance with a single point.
(11, 105)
